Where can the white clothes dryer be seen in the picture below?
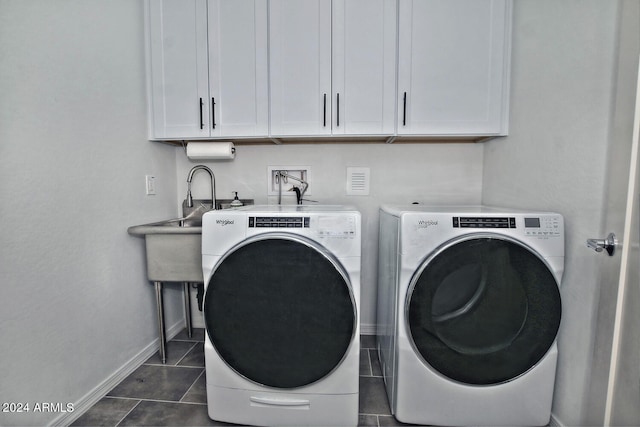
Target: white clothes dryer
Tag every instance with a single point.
(281, 309)
(468, 313)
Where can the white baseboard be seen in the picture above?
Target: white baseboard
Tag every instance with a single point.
(555, 422)
(91, 398)
(368, 329)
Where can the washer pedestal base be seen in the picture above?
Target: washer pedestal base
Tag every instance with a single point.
(249, 407)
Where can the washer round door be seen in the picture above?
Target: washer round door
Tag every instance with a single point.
(280, 311)
(483, 309)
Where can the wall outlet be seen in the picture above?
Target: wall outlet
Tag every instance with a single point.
(274, 182)
(150, 182)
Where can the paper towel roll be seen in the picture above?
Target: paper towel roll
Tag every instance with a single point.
(211, 150)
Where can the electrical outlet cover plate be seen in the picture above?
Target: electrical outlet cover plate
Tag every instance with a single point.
(302, 172)
(150, 182)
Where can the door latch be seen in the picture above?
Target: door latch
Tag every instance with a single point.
(609, 244)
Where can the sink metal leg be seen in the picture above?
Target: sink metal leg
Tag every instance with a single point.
(187, 308)
(163, 336)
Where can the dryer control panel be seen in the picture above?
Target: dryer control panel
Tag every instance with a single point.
(545, 226)
(538, 226)
(483, 222)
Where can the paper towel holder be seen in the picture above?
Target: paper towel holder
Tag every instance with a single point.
(209, 150)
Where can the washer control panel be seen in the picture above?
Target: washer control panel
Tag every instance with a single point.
(279, 222)
(340, 227)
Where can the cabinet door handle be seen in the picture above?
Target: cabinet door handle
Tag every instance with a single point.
(213, 113)
(201, 119)
(404, 109)
(337, 109)
(324, 111)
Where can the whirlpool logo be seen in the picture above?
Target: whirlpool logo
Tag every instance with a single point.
(427, 223)
(223, 222)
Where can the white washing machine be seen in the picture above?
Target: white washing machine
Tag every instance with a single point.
(281, 309)
(468, 312)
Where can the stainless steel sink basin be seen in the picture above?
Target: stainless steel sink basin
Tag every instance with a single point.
(173, 249)
(174, 246)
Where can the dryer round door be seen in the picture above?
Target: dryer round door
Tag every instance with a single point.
(280, 311)
(483, 309)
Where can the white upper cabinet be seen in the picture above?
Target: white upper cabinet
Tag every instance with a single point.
(178, 68)
(208, 68)
(305, 68)
(300, 63)
(332, 67)
(453, 67)
(238, 67)
(364, 67)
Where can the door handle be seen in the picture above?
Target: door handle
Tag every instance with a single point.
(609, 244)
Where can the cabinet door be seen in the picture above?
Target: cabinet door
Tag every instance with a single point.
(300, 65)
(178, 69)
(364, 67)
(238, 70)
(453, 66)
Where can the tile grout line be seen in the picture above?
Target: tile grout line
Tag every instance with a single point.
(128, 412)
(143, 399)
(370, 362)
(191, 386)
(186, 353)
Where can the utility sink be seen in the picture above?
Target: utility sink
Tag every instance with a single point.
(173, 255)
(173, 249)
(174, 246)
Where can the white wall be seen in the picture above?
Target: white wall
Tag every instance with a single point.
(563, 80)
(75, 305)
(400, 173)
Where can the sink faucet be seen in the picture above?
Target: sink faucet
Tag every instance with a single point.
(213, 185)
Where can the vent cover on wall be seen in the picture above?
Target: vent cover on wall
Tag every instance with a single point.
(358, 181)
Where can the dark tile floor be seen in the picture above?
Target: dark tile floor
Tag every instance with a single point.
(174, 394)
